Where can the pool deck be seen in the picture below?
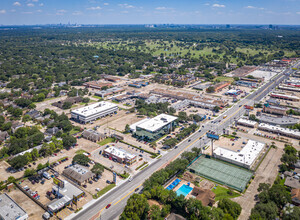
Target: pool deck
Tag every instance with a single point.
(182, 182)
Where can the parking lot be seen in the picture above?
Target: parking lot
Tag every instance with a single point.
(116, 166)
(33, 210)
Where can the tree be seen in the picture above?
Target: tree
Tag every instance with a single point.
(127, 128)
(97, 169)
(18, 161)
(67, 105)
(264, 211)
(11, 179)
(29, 172)
(210, 89)
(68, 141)
(216, 108)
(137, 208)
(26, 118)
(34, 154)
(230, 207)
(81, 159)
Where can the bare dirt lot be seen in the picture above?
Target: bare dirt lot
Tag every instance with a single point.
(34, 211)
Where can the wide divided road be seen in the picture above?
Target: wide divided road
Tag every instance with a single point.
(119, 195)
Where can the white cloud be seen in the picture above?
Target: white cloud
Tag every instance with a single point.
(125, 12)
(250, 7)
(77, 13)
(105, 4)
(27, 12)
(2, 11)
(42, 4)
(94, 8)
(161, 8)
(206, 4)
(16, 4)
(298, 12)
(218, 6)
(60, 12)
(35, 0)
(39, 10)
(126, 6)
(30, 5)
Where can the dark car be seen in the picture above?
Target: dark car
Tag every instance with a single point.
(84, 186)
(176, 147)
(137, 189)
(189, 140)
(109, 205)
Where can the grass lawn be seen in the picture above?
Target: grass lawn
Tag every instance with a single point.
(106, 141)
(97, 97)
(224, 78)
(81, 151)
(222, 192)
(73, 131)
(105, 190)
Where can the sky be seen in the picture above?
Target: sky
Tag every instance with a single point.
(30, 12)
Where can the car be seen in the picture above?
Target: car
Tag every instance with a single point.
(141, 155)
(189, 140)
(130, 179)
(199, 130)
(90, 182)
(137, 189)
(109, 205)
(108, 182)
(175, 147)
(85, 186)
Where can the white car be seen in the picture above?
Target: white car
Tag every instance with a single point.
(130, 179)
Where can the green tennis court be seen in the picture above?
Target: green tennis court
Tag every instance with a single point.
(221, 172)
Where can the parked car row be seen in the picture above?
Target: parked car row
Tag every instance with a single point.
(33, 194)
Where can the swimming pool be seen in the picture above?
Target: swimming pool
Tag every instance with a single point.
(184, 190)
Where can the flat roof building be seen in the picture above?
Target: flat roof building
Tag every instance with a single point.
(110, 91)
(247, 123)
(65, 196)
(279, 130)
(285, 97)
(245, 158)
(10, 210)
(93, 112)
(281, 121)
(97, 85)
(78, 174)
(119, 155)
(276, 110)
(156, 127)
(93, 135)
(289, 88)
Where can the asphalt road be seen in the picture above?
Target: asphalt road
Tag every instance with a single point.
(118, 196)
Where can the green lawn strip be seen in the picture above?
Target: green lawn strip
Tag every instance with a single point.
(141, 165)
(81, 151)
(145, 167)
(222, 192)
(104, 190)
(149, 152)
(106, 141)
(224, 78)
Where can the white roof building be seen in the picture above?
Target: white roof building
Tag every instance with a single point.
(279, 130)
(10, 210)
(94, 111)
(157, 122)
(120, 153)
(245, 158)
(133, 126)
(247, 122)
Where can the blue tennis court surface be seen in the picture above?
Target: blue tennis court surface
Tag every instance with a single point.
(173, 184)
(184, 190)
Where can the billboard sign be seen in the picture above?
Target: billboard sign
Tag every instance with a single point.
(212, 136)
(58, 182)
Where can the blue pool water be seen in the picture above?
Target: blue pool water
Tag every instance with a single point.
(173, 184)
(184, 190)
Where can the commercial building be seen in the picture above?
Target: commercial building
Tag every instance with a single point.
(78, 174)
(119, 155)
(285, 97)
(245, 158)
(276, 110)
(233, 92)
(281, 121)
(94, 111)
(72, 100)
(289, 88)
(246, 84)
(97, 85)
(110, 91)
(221, 85)
(10, 210)
(65, 193)
(279, 130)
(93, 135)
(195, 99)
(247, 123)
(242, 71)
(156, 127)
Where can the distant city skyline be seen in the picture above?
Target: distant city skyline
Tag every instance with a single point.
(31, 12)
